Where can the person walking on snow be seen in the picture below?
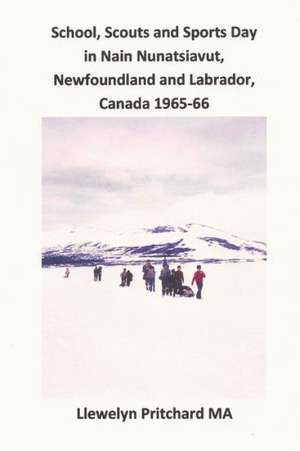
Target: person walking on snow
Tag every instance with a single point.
(67, 273)
(146, 267)
(95, 273)
(99, 273)
(198, 278)
(123, 276)
(151, 278)
(129, 277)
(165, 276)
(179, 279)
(173, 283)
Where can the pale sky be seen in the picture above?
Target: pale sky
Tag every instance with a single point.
(155, 171)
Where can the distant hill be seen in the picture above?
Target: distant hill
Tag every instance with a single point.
(179, 243)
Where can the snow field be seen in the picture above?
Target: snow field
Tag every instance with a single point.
(104, 341)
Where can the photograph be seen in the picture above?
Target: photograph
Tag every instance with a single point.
(154, 258)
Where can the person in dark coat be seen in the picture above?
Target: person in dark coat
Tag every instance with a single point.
(172, 283)
(165, 276)
(123, 276)
(179, 279)
(129, 277)
(95, 273)
(99, 273)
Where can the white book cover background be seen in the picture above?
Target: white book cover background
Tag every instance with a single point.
(29, 59)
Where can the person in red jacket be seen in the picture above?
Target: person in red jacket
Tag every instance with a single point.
(198, 278)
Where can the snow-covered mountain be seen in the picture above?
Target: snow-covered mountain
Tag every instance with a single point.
(180, 243)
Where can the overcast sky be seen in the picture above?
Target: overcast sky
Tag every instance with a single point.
(155, 170)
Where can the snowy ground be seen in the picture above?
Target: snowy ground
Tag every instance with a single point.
(101, 340)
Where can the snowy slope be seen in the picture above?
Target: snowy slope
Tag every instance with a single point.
(188, 242)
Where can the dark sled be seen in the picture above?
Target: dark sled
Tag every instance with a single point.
(187, 292)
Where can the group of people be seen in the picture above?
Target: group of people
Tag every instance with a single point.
(172, 281)
(126, 278)
(97, 273)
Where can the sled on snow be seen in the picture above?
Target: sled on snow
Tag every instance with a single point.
(187, 292)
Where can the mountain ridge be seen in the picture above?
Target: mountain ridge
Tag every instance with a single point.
(178, 243)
